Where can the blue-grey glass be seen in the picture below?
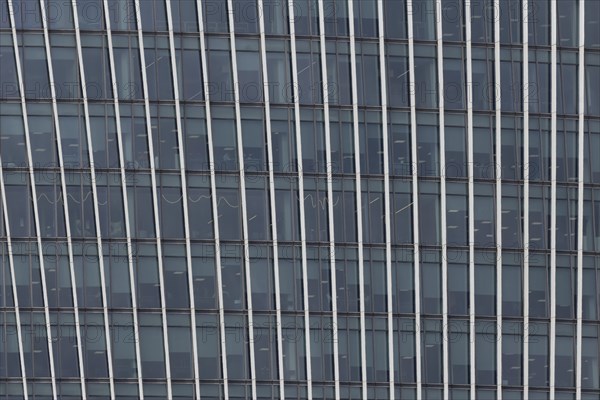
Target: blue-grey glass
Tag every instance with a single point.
(482, 21)
(306, 19)
(245, 13)
(395, 19)
(35, 69)
(290, 279)
(592, 24)
(27, 14)
(261, 271)
(452, 19)
(458, 331)
(404, 350)
(565, 359)
(275, 17)
(458, 289)
(8, 82)
(209, 358)
(59, 14)
(151, 346)
(233, 277)
(184, 14)
(153, 15)
(375, 283)
(265, 350)
(322, 356)
(539, 22)
(510, 21)
(592, 80)
(348, 336)
(319, 271)
(63, 329)
(431, 283)
(423, 14)
(485, 352)
(237, 347)
(175, 276)
(431, 351)
(90, 14)
(180, 346)
(170, 200)
(199, 207)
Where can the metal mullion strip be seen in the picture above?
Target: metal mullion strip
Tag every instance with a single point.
(359, 228)
(13, 282)
(65, 197)
(580, 198)
(553, 163)
(33, 197)
(415, 194)
(329, 164)
(525, 94)
(387, 204)
(291, 16)
(7, 225)
(240, 148)
(471, 195)
(186, 221)
(125, 197)
(443, 200)
(215, 208)
(161, 276)
(95, 194)
(263, 55)
(498, 178)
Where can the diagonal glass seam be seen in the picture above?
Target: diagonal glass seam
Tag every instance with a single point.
(269, 133)
(242, 188)
(95, 202)
(443, 199)
(186, 219)
(298, 131)
(359, 221)
(415, 195)
(330, 212)
(215, 210)
(132, 286)
(161, 276)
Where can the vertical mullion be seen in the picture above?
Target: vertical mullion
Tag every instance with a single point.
(415, 195)
(553, 130)
(13, 282)
(65, 197)
(471, 194)
(132, 286)
(580, 197)
(386, 185)
(359, 229)
(240, 148)
(95, 194)
(263, 55)
(526, 169)
(498, 178)
(161, 277)
(184, 196)
(215, 208)
(5, 216)
(291, 16)
(443, 202)
(330, 215)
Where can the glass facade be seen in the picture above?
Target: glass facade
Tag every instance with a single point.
(300, 199)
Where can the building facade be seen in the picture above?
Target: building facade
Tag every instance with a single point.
(300, 199)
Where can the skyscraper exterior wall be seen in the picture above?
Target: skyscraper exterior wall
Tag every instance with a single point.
(300, 199)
